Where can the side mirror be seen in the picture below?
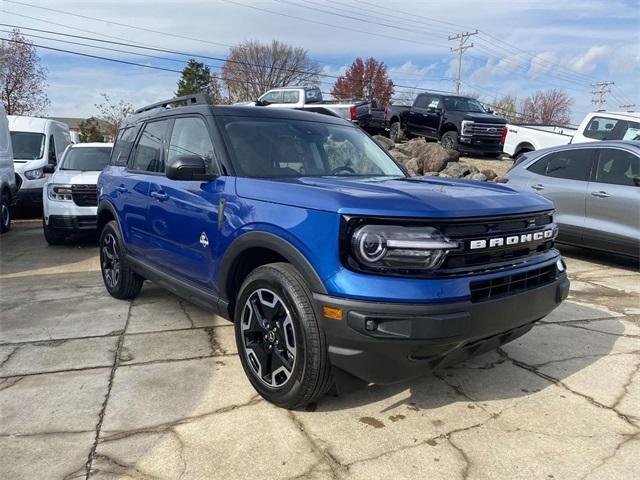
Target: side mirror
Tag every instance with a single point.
(262, 103)
(636, 180)
(490, 112)
(188, 167)
(435, 110)
(48, 169)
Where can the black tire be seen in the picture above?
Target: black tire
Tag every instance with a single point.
(396, 133)
(121, 282)
(279, 295)
(51, 236)
(450, 140)
(5, 214)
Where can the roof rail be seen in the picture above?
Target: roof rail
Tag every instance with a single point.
(195, 99)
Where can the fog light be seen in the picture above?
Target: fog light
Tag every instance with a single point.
(560, 265)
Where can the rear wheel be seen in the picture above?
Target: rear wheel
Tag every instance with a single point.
(5, 214)
(51, 236)
(120, 280)
(450, 140)
(282, 347)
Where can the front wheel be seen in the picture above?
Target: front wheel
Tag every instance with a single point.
(396, 133)
(450, 140)
(5, 214)
(51, 236)
(282, 347)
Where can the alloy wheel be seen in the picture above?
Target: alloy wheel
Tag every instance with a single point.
(110, 261)
(6, 215)
(268, 338)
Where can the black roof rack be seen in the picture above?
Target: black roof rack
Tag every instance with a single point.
(195, 99)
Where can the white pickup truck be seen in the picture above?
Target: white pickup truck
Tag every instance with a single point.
(310, 98)
(595, 126)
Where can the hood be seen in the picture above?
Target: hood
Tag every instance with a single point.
(76, 177)
(484, 118)
(396, 197)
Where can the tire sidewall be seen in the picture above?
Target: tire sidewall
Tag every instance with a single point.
(269, 279)
(109, 228)
(5, 207)
(454, 140)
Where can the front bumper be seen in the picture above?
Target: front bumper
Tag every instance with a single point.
(388, 342)
(72, 223)
(479, 145)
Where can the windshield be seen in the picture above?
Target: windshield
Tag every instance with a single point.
(462, 104)
(269, 147)
(86, 158)
(27, 145)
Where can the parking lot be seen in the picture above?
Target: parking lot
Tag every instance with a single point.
(153, 389)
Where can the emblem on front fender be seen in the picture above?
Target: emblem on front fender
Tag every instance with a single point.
(204, 241)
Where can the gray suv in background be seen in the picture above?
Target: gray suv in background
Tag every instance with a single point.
(596, 190)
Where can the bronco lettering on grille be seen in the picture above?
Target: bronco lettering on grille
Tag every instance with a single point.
(512, 239)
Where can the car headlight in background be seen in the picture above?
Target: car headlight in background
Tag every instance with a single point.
(390, 247)
(34, 174)
(60, 193)
(467, 127)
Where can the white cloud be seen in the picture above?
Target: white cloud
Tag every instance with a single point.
(587, 62)
(542, 63)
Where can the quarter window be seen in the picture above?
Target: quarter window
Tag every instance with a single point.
(617, 167)
(52, 150)
(149, 155)
(191, 137)
(422, 101)
(123, 146)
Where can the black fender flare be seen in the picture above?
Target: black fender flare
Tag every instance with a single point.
(106, 206)
(273, 242)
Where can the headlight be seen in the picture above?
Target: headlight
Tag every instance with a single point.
(60, 193)
(467, 127)
(389, 247)
(34, 174)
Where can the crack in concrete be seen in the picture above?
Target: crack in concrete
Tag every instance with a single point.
(186, 314)
(337, 468)
(613, 454)
(216, 348)
(161, 428)
(625, 387)
(173, 432)
(43, 434)
(590, 355)
(8, 357)
(6, 383)
(103, 409)
(595, 330)
(122, 468)
(465, 458)
(560, 383)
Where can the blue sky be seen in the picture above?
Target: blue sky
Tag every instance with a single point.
(523, 46)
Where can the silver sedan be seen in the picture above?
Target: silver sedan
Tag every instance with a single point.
(596, 190)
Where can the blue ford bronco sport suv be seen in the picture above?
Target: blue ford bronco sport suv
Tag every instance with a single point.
(332, 263)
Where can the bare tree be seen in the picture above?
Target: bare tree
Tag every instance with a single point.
(253, 68)
(505, 107)
(112, 114)
(551, 106)
(23, 80)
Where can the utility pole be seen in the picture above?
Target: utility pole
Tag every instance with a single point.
(627, 107)
(599, 91)
(462, 46)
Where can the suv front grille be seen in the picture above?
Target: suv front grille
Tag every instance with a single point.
(84, 195)
(509, 284)
(487, 130)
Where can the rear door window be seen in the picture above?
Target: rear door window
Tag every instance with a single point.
(272, 97)
(149, 154)
(123, 146)
(617, 167)
(603, 128)
(290, 96)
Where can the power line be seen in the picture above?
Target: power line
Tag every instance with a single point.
(599, 93)
(462, 47)
(628, 107)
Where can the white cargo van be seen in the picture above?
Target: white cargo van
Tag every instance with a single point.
(36, 142)
(8, 186)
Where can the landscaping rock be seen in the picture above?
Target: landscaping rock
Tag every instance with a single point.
(435, 158)
(490, 174)
(477, 176)
(456, 170)
(384, 142)
(413, 167)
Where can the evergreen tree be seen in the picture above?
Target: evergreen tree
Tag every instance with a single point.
(196, 78)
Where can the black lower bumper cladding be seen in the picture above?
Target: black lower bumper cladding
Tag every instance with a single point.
(388, 342)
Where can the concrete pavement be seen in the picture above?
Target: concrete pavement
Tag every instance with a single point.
(153, 389)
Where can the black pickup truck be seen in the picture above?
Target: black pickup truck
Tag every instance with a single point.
(459, 123)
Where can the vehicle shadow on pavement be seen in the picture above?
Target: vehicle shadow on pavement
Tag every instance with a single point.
(601, 258)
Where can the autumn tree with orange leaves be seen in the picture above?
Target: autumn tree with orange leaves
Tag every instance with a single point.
(367, 79)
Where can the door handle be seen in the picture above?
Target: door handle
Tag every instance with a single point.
(412, 113)
(600, 194)
(160, 196)
(121, 189)
(538, 187)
